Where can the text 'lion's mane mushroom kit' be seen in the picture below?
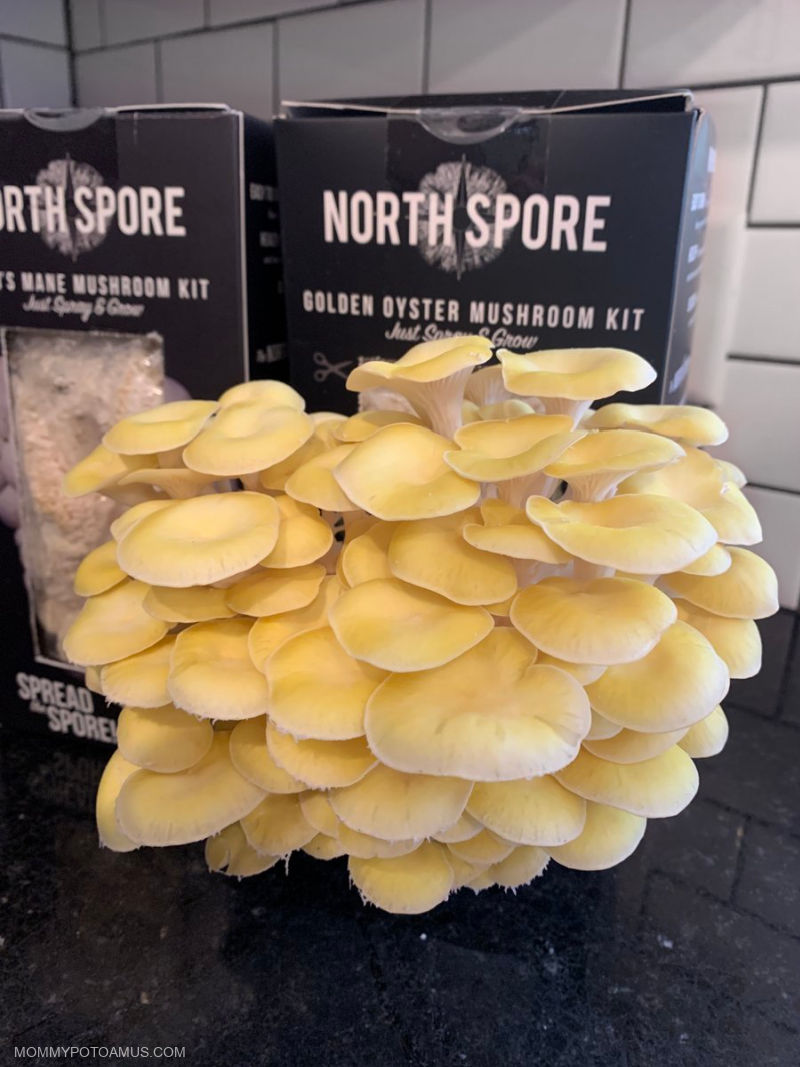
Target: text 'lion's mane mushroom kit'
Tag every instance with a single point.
(536, 220)
(139, 263)
(482, 625)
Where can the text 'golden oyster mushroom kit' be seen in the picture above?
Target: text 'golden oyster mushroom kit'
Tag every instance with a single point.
(140, 264)
(539, 220)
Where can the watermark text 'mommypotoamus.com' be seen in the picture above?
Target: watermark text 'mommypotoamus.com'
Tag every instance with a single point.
(101, 1052)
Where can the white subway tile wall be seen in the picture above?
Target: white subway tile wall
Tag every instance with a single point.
(743, 54)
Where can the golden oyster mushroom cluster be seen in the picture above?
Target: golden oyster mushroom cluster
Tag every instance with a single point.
(474, 627)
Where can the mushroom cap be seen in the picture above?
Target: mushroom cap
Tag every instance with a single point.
(264, 391)
(115, 774)
(273, 592)
(269, 633)
(317, 690)
(575, 373)
(247, 437)
(655, 788)
(400, 473)
(175, 809)
(707, 737)
(98, 571)
(431, 553)
(398, 807)
(140, 680)
(176, 482)
(197, 603)
(212, 675)
(618, 452)
(303, 536)
(485, 386)
(363, 425)
(162, 739)
(405, 885)
(609, 836)
(100, 469)
(112, 626)
(366, 847)
(159, 429)
(536, 811)
(367, 556)
(508, 531)
(581, 672)
(321, 764)
(277, 825)
(92, 680)
(560, 616)
(483, 849)
(631, 746)
(529, 722)
(641, 534)
(673, 686)
(251, 757)
(276, 476)
(229, 852)
(736, 641)
(322, 847)
(199, 541)
(693, 425)
(497, 450)
(602, 728)
(519, 868)
(430, 361)
(399, 627)
(316, 483)
(734, 517)
(747, 590)
(716, 561)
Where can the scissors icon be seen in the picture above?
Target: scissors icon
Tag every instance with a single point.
(327, 368)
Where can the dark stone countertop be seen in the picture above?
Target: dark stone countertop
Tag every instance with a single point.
(687, 954)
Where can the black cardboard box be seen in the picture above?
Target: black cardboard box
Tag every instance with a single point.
(540, 220)
(139, 262)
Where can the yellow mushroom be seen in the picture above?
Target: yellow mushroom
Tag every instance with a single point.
(317, 690)
(399, 627)
(567, 380)
(462, 830)
(252, 759)
(267, 634)
(529, 722)
(405, 885)
(608, 837)
(716, 561)
(177, 482)
(519, 868)
(736, 641)
(115, 774)
(322, 847)
(396, 807)
(508, 531)
(431, 553)
(640, 534)
(199, 541)
(175, 809)
(196, 603)
(483, 849)
(673, 686)
(366, 847)
(140, 680)
(631, 746)
(536, 811)
(112, 626)
(655, 788)
(264, 391)
(275, 477)
(431, 376)
(269, 592)
(162, 739)
(134, 515)
(560, 616)
(159, 429)
(682, 422)
(100, 470)
(277, 825)
(315, 482)
(320, 764)
(363, 425)
(366, 556)
(317, 811)
(400, 473)
(596, 464)
(98, 571)
(747, 590)
(211, 673)
(303, 536)
(707, 737)
(246, 437)
(602, 728)
(229, 852)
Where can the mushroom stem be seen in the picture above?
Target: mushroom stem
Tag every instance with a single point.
(562, 405)
(587, 488)
(582, 569)
(439, 403)
(516, 491)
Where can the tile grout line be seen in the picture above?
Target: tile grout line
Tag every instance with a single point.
(623, 52)
(751, 187)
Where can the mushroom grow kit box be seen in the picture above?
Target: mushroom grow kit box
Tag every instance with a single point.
(140, 264)
(538, 220)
